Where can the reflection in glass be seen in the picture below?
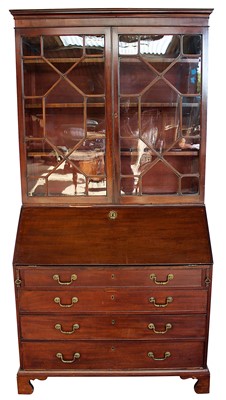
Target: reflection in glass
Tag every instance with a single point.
(189, 185)
(31, 46)
(192, 44)
(34, 125)
(160, 179)
(135, 76)
(185, 76)
(160, 92)
(66, 156)
(64, 127)
(88, 76)
(61, 47)
(39, 77)
(94, 44)
(128, 44)
(64, 181)
(160, 45)
(191, 116)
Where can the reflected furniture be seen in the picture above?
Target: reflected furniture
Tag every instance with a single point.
(112, 260)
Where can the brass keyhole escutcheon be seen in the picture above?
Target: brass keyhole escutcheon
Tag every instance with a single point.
(112, 215)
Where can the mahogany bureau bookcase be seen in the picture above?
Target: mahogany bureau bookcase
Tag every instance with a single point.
(112, 259)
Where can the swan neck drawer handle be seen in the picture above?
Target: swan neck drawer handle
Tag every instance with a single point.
(151, 326)
(57, 278)
(73, 301)
(58, 327)
(154, 279)
(168, 301)
(166, 355)
(61, 357)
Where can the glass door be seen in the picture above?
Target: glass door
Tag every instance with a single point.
(159, 85)
(66, 131)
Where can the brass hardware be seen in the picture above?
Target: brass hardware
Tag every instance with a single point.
(169, 278)
(61, 357)
(113, 322)
(207, 281)
(57, 278)
(112, 297)
(151, 326)
(112, 214)
(113, 276)
(18, 281)
(169, 300)
(74, 328)
(166, 355)
(73, 301)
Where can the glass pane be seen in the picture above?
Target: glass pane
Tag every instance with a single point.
(31, 46)
(64, 181)
(160, 114)
(160, 45)
(190, 185)
(94, 45)
(41, 158)
(36, 187)
(65, 93)
(128, 44)
(59, 48)
(97, 188)
(39, 77)
(90, 158)
(160, 94)
(160, 179)
(95, 121)
(65, 127)
(34, 124)
(63, 51)
(67, 157)
(185, 76)
(191, 117)
(192, 44)
(129, 121)
(88, 76)
(135, 76)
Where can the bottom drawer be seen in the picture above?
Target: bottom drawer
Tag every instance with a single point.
(114, 355)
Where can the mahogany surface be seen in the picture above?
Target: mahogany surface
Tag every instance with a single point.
(112, 261)
(142, 236)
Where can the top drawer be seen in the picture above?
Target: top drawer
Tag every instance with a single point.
(64, 277)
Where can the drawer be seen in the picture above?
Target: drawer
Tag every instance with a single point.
(115, 355)
(111, 276)
(113, 299)
(114, 326)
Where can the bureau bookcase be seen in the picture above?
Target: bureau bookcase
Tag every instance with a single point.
(112, 261)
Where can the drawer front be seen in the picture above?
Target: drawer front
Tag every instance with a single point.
(114, 299)
(115, 355)
(114, 326)
(112, 276)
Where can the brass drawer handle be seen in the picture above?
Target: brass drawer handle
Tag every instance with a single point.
(169, 278)
(58, 327)
(151, 326)
(61, 357)
(57, 278)
(73, 301)
(166, 355)
(168, 301)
